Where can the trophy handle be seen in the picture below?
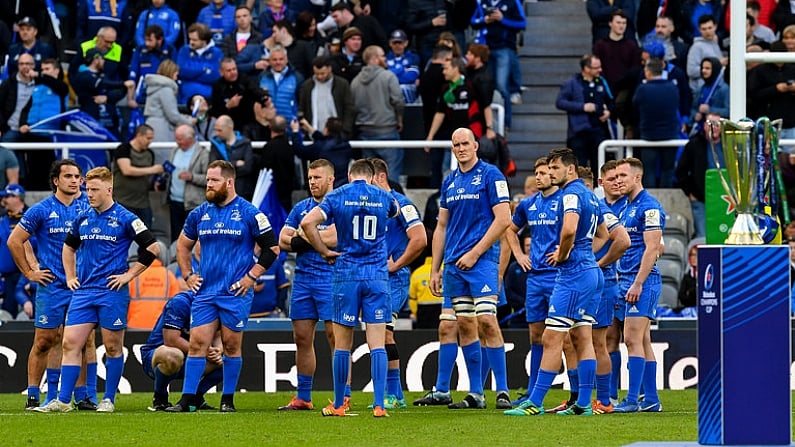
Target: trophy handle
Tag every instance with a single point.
(711, 126)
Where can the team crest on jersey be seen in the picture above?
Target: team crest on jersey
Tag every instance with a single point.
(236, 216)
(379, 314)
(53, 215)
(477, 180)
(113, 222)
(205, 217)
(43, 319)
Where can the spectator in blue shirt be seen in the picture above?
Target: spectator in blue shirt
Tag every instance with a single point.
(146, 59)
(198, 63)
(404, 63)
(219, 16)
(159, 14)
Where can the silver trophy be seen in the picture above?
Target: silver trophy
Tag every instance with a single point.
(743, 143)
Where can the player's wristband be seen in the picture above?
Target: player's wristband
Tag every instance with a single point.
(187, 277)
(251, 277)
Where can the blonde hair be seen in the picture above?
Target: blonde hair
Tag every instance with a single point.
(168, 68)
(100, 173)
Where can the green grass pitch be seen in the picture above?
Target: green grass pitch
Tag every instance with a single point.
(257, 422)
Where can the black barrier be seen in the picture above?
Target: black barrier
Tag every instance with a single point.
(269, 361)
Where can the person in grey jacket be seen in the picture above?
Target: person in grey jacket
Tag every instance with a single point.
(188, 180)
(161, 110)
(379, 108)
(704, 46)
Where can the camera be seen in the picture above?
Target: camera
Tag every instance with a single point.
(490, 10)
(264, 96)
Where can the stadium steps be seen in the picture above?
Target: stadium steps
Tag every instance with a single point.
(557, 34)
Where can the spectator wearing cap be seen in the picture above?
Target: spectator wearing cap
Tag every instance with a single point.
(159, 14)
(96, 93)
(28, 43)
(326, 95)
(426, 20)
(348, 62)
(13, 200)
(219, 16)
(371, 31)
(198, 63)
(405, 64)
(652, 49)
(105, 43)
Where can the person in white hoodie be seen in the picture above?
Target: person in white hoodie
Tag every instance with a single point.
(161, 110)
(704, 46)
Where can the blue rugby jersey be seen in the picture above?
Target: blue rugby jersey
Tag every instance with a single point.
(642, 214)
(175, 315)
(227, 235)
(396, 238)
(542, 216)
(310, 261)
(469, 198)
(105, 240)
(360, 212)
(611, 220)
(49, 221)
(577, 198)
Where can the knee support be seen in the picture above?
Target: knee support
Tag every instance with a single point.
(392, 352)
(485, 306)
(464, 306)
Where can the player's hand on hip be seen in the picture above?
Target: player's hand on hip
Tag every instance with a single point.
(467, 261)
(525, 263)
(241, 286)
(330, 256)
(116, 282)
(194, 282)
(41, 277)
(552, 258)
(73, 284)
